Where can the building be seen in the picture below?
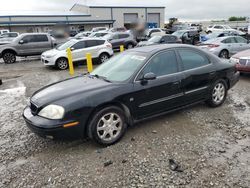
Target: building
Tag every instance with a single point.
(81, 17)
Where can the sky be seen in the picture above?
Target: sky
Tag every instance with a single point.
(185, 10)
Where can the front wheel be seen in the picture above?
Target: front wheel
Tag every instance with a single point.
(224, 54)
(9, 57)
(218, 94)
(62, 63)
(107, 126)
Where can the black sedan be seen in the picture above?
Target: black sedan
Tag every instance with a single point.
(135, 85)
(160, 39)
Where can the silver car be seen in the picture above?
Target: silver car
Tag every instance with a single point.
(225, 47)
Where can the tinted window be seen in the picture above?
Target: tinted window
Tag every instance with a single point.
(192, 59)
(29, 38)
(240, 40)
(115, 37)
(100, 42)
(162, 64)
(229, 40)
(91, 43)
(122, 36)
(13, 34)
(79, 45)
(40, 38)
(218, 27)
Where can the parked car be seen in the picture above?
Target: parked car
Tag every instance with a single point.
(225, 47)
(100, 49)
(4, 31)
(73, 33)
(216, 35)
(118, 29)
(222, 28)
(28, 44)
(242, 60)
(96, 29)
(98, 34)
(132, 86)
(160, 39)
(9, 35)
(82, 34)
(188, 36)
(120, 38)
(151, 31)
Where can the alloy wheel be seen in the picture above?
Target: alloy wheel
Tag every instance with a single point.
(219, 92)
(109, 127)
(104, 58)
(62, 64)
(130, 46)
(9, 58)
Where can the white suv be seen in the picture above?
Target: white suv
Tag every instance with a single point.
(219, 28)
(99, 48)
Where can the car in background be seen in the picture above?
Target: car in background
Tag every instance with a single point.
(133, 86)
(222, 28)
(82, 34)
(9, 35)
(73, 33)
(121, 38)
(98, 34)
(160, 39)
(219, 34)
(225, 47)
(28, 44)
(100, 49)
(149, 32)
(117, 29)
(96, 29)
(4, 31)
(188, 36)
(242, 60)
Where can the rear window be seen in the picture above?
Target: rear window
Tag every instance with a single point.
(40, 38)
(100, 42)
(91, 43)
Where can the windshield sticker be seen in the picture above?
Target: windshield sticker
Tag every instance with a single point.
(137, 57)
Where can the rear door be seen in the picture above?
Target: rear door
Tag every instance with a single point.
(163, 93)
(231, 45)
(198, 74)
(243, 44)
(115, 41)
(79, 51)
(42, 43)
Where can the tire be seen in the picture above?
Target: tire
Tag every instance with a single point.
(62, 63)
(103, 57)
(218, 93)
(9, 57)
(107, 126)
(209, 32)
(129, 46)
(224, 54)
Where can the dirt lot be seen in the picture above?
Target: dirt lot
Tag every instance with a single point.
(211, 146)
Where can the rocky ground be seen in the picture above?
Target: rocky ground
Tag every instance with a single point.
(195, 147)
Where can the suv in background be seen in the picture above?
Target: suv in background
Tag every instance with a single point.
(118, 29)
(96, 29)
(28, 44)
(9, 35)
(99, 48)
(120, 38)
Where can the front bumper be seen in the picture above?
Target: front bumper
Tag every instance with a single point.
(53, 129)
(48, 61)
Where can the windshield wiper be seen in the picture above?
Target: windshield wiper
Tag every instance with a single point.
(101, 77)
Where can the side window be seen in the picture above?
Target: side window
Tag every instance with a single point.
(123, 36)
(229, 40)
(240, 40)
(162, 64)
(28, 39)
(192, 59)
(79, 45)
(100, 42)
(115, 36)
(40, 38)
(91, 43)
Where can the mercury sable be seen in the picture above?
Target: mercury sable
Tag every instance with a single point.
(135, 85)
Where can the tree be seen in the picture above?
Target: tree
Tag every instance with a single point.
(235, 18)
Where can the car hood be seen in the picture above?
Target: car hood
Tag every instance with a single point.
(68, 88)
(245, 53)
(145, 43)
(50, 52)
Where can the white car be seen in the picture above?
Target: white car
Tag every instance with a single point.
(99, 48)
(222, 28)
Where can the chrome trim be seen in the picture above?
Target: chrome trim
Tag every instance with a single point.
(161, 100)
(195, 90)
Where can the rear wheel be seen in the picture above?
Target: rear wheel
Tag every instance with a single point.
(224, 54)
(9, 57)
(103, 57)
(129, 46)
(62, 63)
(107, 126)
(218, 94)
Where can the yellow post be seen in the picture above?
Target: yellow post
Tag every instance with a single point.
(89, 62)
(121, 48)
(70, 61)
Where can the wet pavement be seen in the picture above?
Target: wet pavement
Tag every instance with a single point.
(210, 146)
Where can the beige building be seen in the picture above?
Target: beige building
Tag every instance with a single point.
(81, 17)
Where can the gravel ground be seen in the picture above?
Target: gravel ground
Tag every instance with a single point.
(195, 147)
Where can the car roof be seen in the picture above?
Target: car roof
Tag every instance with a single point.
(155, 48)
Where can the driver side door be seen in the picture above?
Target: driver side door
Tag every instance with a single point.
(162, 93)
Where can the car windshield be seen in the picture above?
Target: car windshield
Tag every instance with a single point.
(155, 39)
(108, 36)
(66, 45)
(178, 33)
(121, 67)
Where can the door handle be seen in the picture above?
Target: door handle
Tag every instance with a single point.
(212, 73)
(176, 83)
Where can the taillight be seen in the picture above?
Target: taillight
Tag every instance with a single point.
(109, 45)
(213, 45)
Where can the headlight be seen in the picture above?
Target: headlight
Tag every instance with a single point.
(235, 60)
(52, 112)
(50, 55)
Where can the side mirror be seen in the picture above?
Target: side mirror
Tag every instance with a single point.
(149, 76)
(72, 49)
(21, 42)
(162, 41)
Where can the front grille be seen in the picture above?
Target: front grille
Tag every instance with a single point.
(33, 108)
(243, 62)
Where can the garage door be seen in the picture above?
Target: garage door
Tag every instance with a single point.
(154, 18)
(130, 18)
